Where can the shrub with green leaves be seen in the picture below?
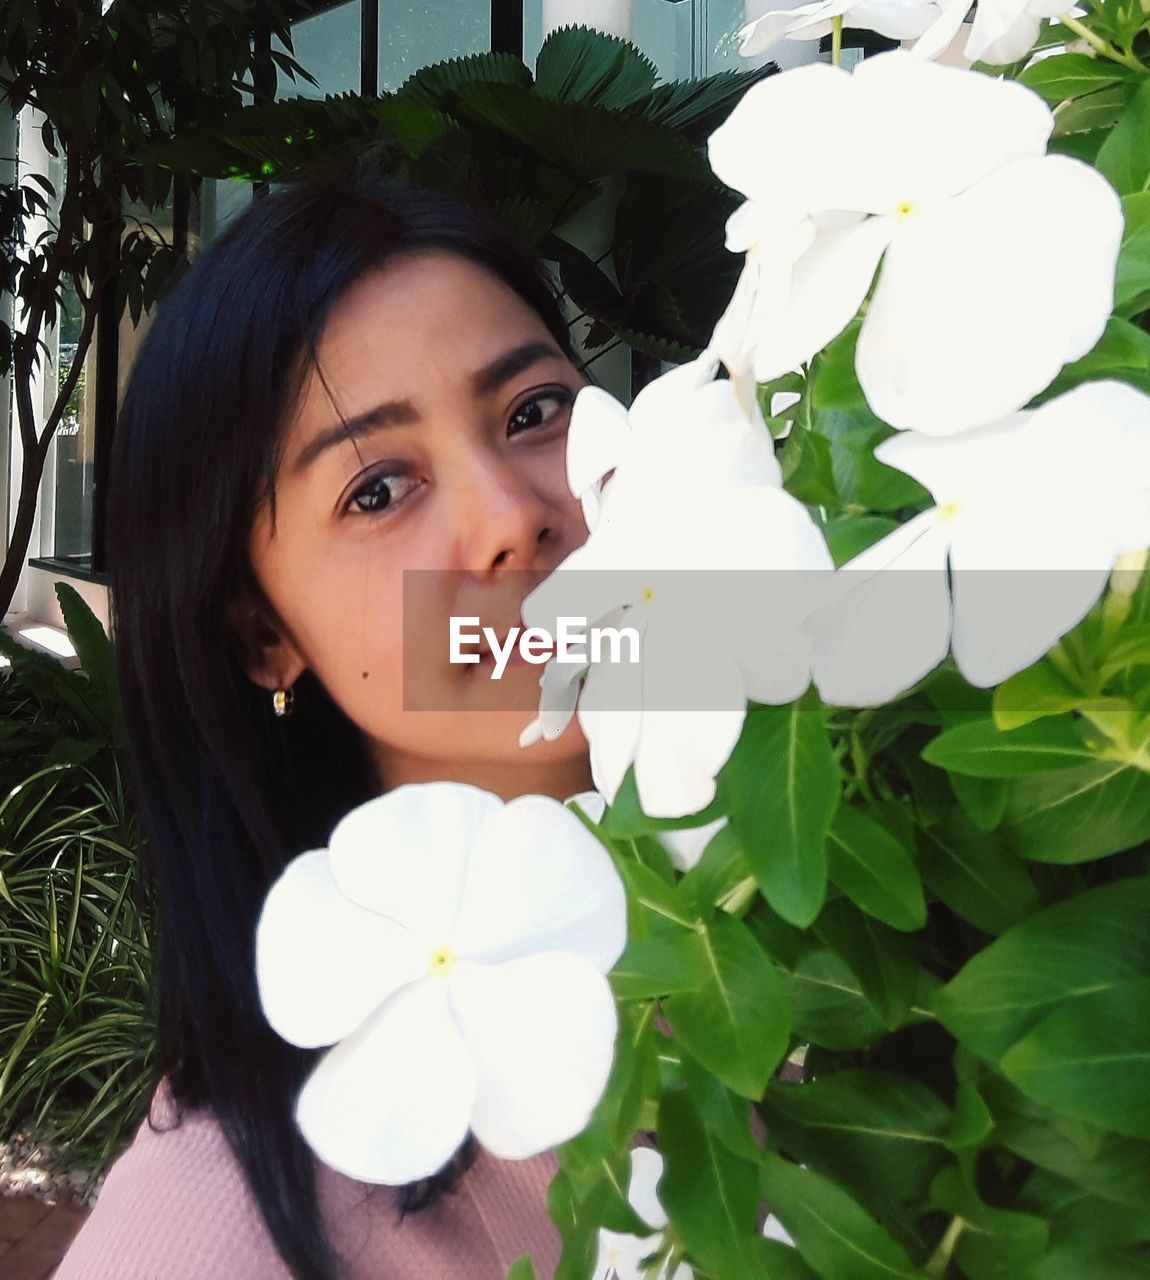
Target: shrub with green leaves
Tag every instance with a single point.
(590, 140)
(76, 1021)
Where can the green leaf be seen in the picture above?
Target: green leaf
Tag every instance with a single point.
(710, 1194)
(976, 876)
(1032, 694)
(736, 1021)
(1103, 1164)
(597, 1163)
(1092, 117)
(783, 783)
(1076, 815)
(995, 1244)
(579, 64)
(432, 83)
(984, 799)
(522, 1269)
(883, 960)
(1071, 75)
(94, 650)
(828, 1007)
(1089, 1222)
(660, 965)
(875, 869)
(577, 1224)
(847, 536)
(808, 469)
(698, 107)
(981, 749)
(835, 384)
(724, 1113)
(1088, 943)
(834, 1233)
(625, 819)
(1132, 285)
(1124, 157)
(1123, 352)
(1091, 1058)
(880, 1135)
(723, 870)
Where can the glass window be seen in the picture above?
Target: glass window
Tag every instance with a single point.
(68, 534)
(218, 202)
(328, 46)
(416, 33)
(691, 38)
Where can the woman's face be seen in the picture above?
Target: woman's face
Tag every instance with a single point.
(459, 400)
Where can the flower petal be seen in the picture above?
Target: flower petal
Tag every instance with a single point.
(392, 1102)
(1107, 484)
(404, 854)
(937, 37)
(542, 1034)
(1018, 586)
(828, 285)
(889, 627)
(752, 154)
(598, 437)
(538, 880)
(766, 31)
(962, 128)
(893, 18)
(323, 963)
(1006, 26)
(679, 756)
(686, 845)
(968, 321)
(610, 714)
(642, 1187)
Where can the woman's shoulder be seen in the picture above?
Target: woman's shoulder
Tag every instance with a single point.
(174, 1206)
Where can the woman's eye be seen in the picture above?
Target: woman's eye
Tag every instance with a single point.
(381, 492)
(539, 411)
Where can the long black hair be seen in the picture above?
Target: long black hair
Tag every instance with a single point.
(227, 793)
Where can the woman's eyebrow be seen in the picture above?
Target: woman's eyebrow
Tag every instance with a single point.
(396, 412)
(519, 359)
(390, 413)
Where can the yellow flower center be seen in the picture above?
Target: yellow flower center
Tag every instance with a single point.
(442, 962)
(905, 209)
(648, 593)
(948, 511)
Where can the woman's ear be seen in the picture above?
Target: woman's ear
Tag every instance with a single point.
(266, 650)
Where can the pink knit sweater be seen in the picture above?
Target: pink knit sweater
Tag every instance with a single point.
(175, 1207)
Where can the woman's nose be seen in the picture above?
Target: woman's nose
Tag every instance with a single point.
(506, 522)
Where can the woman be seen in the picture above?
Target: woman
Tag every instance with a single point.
(354, 380)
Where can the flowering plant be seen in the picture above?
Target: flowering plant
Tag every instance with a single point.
(884, 998)
(922, 784)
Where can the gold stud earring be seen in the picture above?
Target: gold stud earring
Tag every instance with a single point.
(282, 701)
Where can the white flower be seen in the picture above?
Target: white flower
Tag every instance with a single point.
(621, 1256)
(941, 174)
(895, 19)
(452, 948)
(693, 544)
(1031, 515)
(1003, 30)
(685, 846)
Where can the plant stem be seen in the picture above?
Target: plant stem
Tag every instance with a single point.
(940, 1260)
(1103, 47)
(837, 40)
